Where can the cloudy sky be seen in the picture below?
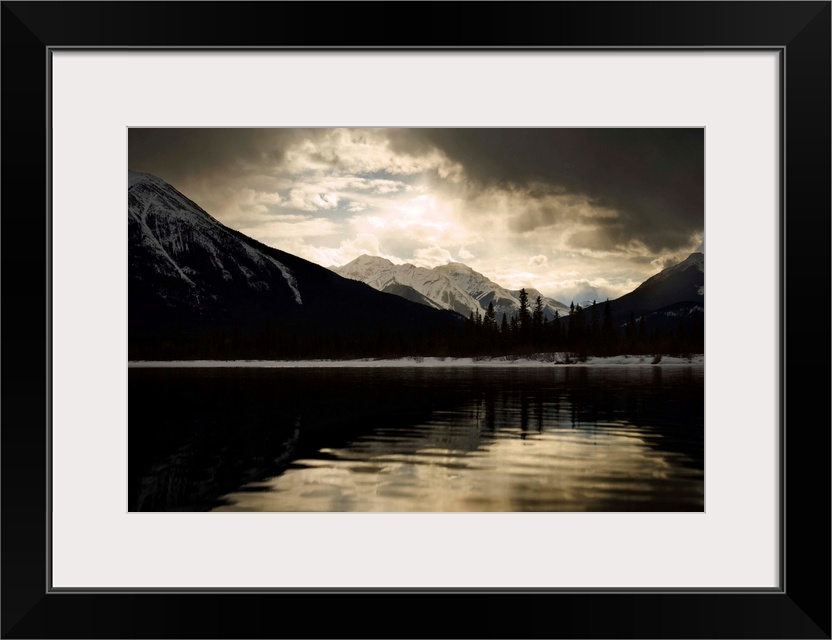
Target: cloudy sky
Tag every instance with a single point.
(579, 214)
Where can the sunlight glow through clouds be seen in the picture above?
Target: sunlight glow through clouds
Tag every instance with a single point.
(577, 214)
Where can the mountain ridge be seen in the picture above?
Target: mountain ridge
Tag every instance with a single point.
(454, 286)
(682, 283)
(198, 288)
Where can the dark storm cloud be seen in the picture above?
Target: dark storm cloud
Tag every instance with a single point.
(654, 178)
(629, 193)
(180, 155)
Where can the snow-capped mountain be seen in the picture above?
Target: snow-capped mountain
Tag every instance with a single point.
(193, 279)
(484, 291)
(383, 275)
(453, 286)
(678, 289)
(176, 243)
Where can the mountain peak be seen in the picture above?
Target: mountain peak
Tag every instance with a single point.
(454, 286)
(696, 259)
(134, 177)
(198, 288)
(368, 260)
(693, 261)
(686, 277)
(454, 267)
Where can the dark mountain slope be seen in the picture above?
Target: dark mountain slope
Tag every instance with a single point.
(199, 289)
(681, 283)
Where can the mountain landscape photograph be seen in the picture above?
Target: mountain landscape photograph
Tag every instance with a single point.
(416, 320)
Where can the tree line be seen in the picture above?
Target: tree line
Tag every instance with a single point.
(582, 332)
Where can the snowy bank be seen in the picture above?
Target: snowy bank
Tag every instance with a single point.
(534, 360)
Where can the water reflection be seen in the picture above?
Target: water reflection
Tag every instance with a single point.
(552, 439)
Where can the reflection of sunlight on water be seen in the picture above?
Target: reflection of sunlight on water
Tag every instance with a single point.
(455, 439)
(501, 455)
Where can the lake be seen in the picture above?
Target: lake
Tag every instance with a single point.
(504, 439)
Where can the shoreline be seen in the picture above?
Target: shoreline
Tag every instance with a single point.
(534, 361)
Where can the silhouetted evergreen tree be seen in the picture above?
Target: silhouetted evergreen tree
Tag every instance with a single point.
(577, 331)
(609, 333)
(594, 337)
(490, 321)
(525, 316)
(537, 323)
(555, 333)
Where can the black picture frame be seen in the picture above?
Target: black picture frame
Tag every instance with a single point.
(799, 31)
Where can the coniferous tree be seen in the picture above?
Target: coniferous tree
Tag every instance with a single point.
(577, 331)
(469, 333)
(490, 321)
(525, 316)
(504, 334)
(609, 334)
(594, 337)
(537, 322)
(568, 334)
(489, 328)
(555, 333)
(537, 314)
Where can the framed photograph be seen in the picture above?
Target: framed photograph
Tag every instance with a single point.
(521, 194)
(450, 356)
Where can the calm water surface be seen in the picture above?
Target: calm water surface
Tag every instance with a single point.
(414, 439)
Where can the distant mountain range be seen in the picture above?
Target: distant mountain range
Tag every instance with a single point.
(199, 288)
(676, 290)
(453, 286)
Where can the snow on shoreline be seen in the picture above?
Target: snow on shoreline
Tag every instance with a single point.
(540, 360)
